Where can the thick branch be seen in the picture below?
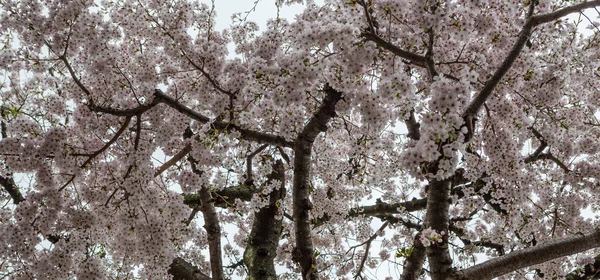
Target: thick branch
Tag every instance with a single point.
(8, 183)
(252, 135)
(263, 240)
(550, 17)
(551, 157)
(383, 209)
(183, 270)
(247, 134)
(413, 126)
(249, 176)
(212, 227)
(413, 264)
(533, 157)
(491, 84)
(436, 218)
(225, 197)
(303, 253)
(412, 57)
(176, 158)
(173, 103)
(429, 54)
(213, 230)
(531, 256)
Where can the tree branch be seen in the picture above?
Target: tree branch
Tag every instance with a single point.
(225, 197)
(370, 21)
(183, 270)
(303, 253)
(249, 177)
(216, 85)
(8, 183)
(483, 243)
(416, 59)
(138, 132)
(211, 225)
(91, 157)
(537, 155)
(123, 112)
(413, 126)
(250, 135)
(77, 81)
(531, 256)
(436, 218)
(533, 157)
(429, 54)
(550, 17)
(367, 248)
(160, 97)
(173, 103)
(491, 84)
(555, 160)
(176, 158)
(413, 264)
(383, 209)
(263, 240)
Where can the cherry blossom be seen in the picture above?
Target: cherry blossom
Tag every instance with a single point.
(361, 139)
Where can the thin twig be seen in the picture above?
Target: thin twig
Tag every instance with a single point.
(368, 243)
(101, 150)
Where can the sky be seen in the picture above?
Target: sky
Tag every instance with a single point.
(258, 11)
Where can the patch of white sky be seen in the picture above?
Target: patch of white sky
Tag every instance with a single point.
(258, 11)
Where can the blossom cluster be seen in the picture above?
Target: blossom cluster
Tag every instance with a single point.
(430, 237)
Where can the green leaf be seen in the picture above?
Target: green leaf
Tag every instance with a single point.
(404, 252)
(9, 112)
(529, 75)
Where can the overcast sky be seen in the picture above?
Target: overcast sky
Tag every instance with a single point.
(265, 9)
